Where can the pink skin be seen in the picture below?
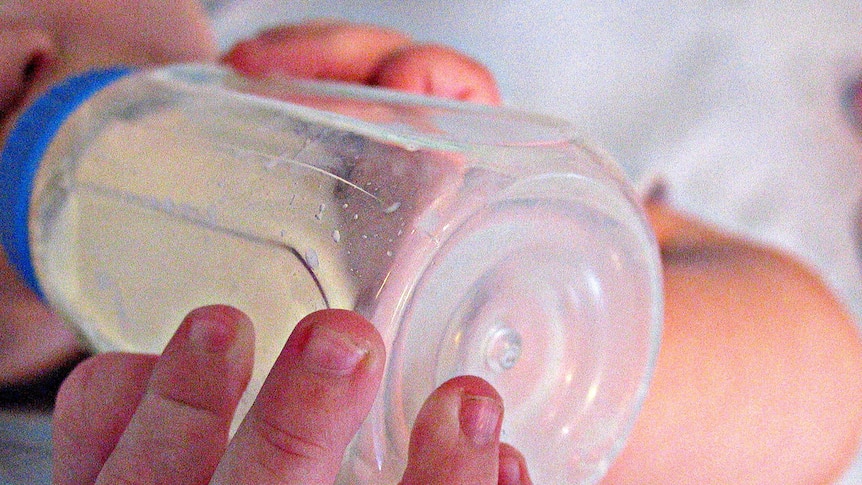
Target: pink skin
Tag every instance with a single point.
(758, 379)
(124, 417)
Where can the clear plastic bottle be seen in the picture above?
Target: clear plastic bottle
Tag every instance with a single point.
(478, 240)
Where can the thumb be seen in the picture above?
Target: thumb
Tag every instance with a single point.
(456, 436)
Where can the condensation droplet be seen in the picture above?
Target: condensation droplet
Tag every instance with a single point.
(312, 259)
(392, 208)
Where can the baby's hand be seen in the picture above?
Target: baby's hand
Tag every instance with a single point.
(364, 54)
(130, 418)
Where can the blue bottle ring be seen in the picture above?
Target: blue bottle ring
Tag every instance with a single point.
(25, 147)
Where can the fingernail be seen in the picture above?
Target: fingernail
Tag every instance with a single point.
(479, 418)
(510, 470)
(332, 352)
(210, 333)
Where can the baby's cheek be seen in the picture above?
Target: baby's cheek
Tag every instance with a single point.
(96, 33)
(34, 339)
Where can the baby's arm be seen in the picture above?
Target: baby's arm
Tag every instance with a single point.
(759, 377)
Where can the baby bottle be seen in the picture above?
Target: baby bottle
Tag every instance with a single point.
(478, 240)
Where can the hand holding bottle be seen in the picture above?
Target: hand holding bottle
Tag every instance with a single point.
(488, 242)
(40, 57)
(143, 418)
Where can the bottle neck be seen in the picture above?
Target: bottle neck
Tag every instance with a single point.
(25, 147)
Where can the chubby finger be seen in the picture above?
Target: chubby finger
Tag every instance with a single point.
(317, 394)
(455, 438)
(365, 54)
(336, 51)
(513, 467)
(180, 428)
(435, 70)
(93, 407)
